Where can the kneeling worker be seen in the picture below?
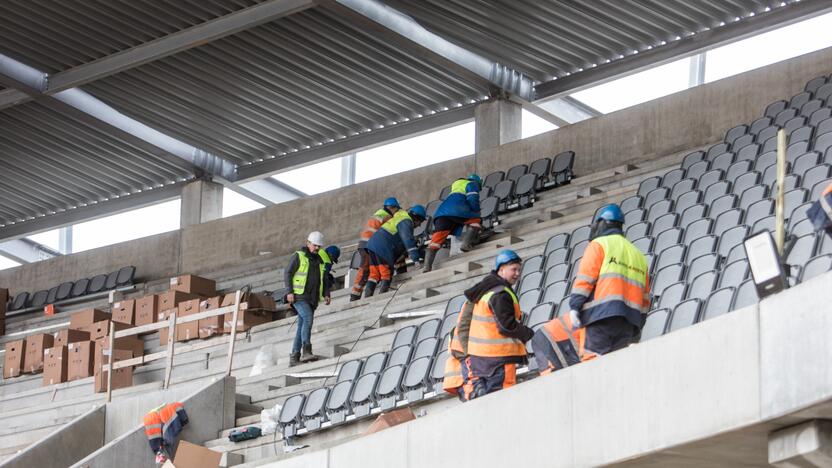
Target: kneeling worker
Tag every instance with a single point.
(558, 344)
(391, 241)
(497, 336)
(821, 211)
(610, 296)
(460, 209)
(391, 206)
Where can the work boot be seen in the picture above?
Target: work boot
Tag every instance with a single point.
(383, 286)
(430, 256)
(354, 297)
(470, 236)
(307, 355)
(294, 359)
(370, 289)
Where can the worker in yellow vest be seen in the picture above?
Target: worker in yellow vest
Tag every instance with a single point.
(457, 215)
(305, 276)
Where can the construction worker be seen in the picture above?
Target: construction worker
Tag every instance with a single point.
(497, 335)
(329, 256)
(460, 209)
(558, 344)
(305, 275)
(821, 211)
(391, 206)
(457, 379)
(392, 240)
(610, 296)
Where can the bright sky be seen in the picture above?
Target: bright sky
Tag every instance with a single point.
(458, 141)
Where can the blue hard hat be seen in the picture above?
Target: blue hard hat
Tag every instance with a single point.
(611, 212)
(506, 256)
(392, 202)
(474, 178)
(334, 252)
(418, 210)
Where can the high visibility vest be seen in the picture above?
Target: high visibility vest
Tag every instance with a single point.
(453, 379)
(821, 211)
(163, 424)
(619, 287)
(374, 223)
(324, 256)
(299, 280)
(484, 338)
(560, 334)
(392, 224)
(459, 186)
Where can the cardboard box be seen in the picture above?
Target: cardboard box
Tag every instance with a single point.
(55, 363)
(171, 299)
(190, 455)
(125, 311)
(255, 301)
(214, 325)
(393, 418)
(101, 329)
(194, 284)
(65, 337)
(163, 333)
(122, 378)
(128, 343)
(247, 319)
(14, 357)
(85, 318)
(35, 345)
(147, 310)
(80, 360)
(190, 330)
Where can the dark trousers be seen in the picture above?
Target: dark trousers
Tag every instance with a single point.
(609, 334)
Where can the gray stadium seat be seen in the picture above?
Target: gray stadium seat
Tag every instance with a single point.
(573, 270)
(722, 204)
(672, 295)
(819, 116)
(437, 370)
(731, 238)
(648, 185)
(695, 157)
(671, 177)
(489, 212)
(806, 110)
(491, 180)
(701, 246)
(799, 99)
(752, 194)
(555, 242)
(745, 295)
(97, 284)
(529, 299)
(741, 176)
(634, 216)
(759, 210)
(656, 195)
(823, 92)
(816, 266)
(443, 194)
(667, 276)
(314, 410)
(716, 150)
(404, 336)
(454, 304)
(799, 138)
(716, 190)
(663, 223)
(718, 303)
(125, 276)
(801, 228)
(702, 285)
(682, 187)
(52, 295)
(686, 200)
(700, 227)
(562, 167)
(399, 356)
(532, 264)
(792, 199)
(819, 187)
(735, 254)
(823, 141)
(20, 301)
(815, 83)
(361, 398)
(425, 348)
(667, 238)
(701, 264)
(671, 255)
(659, 208)
(530, 281)
(734, 273)
(802, 250)
(290, 414)
(644, 244)
(684, 315)
(349, 370)
(524, 195)
(503, 192)
(790, 182)
(555, 292)
(691, 214)
(805, 162)
(516, 172)
(541, 168)
(783, 116)
(541, 314)
(732, 134)
(559, 272)
(765, 135)
(814, 175)
(80, 287)
(695, 170)
(741, 143)
(637, 230)
(63, 291)
(557, 256)
(428, 329)
(416, 379)
(631, 203)
(710, 178)
(654, 324)
(579, 235)
(748, 152)
(722, 161)
(39, 299)
(759, 124)
(375, 362)
(727, 220)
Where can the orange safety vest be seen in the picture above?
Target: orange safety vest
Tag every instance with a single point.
(484, 338)
(559, 331)
(374, 224)
(159, 421)
(453, 378)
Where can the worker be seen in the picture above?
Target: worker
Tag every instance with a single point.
(391, 206)
(460, 209)
(497, 336)
(162, 426)
(821, 211)
(305, 276)
(610, 296)
(392, 240)
(329, 256)
(457, 379)
(558, 344)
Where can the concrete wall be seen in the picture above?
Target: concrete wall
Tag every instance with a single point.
(725, 375)
(210, 410)
(71, 443)
(684, 120)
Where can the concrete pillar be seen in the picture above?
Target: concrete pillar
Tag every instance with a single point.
(65, 240)
(497, 122)
(348, 170)
(201, 202)
(806, 444)
(696, 75)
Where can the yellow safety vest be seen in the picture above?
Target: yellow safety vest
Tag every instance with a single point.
(299, 280)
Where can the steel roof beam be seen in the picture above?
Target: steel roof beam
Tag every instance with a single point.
(362, 141)
(168, 45)
(408, 33)
(686, 46)
(267, 191)
(26, 251)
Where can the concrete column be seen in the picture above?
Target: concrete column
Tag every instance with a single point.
(201, 202)
(497, 122)
(65, 240)
(803, 445)
(348, 170)
(696, 74)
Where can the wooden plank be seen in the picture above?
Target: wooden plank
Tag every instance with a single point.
(233, 334)
(170, 350)
(112, 347)
(190, 318)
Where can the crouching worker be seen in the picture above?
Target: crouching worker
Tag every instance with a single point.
(821, 211)
(391, 241)
(558, 345)
(497, 336)
(460, 210)
(457, 380)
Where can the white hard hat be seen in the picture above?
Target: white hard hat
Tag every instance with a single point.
(316, 238)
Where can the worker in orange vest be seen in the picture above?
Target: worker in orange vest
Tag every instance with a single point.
(497, 336)
(391, 206)
(162, 426)
(457, 379)
(558, 344)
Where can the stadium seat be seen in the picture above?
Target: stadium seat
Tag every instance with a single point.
(635, 216)
(695, 157)
(290, 415)
(637, 230)
(579, 235)
(404, 336)
(701, 264)
(682, 187)
(557, 256)
(443, 194)
(722, 204)
(314, 410)
(812, 176)
(716, 150)
(695, 170)
(428, 329)
(503, 192)
(654, 324)
(702, 285)
(524, 192)
(701, 246)
(97, 284)
(529, 299)
(819, 116)
(562, 168)
(745, 295)
(556, 242)
(361, 398)
(672, 295)
(722, 161)
(748, 152)
(644, 244)
(663, 223)
(39, 299)
(684, 315)
(815, 83)
(376, 362)
(349, 370)
(425, 348)
(540, 314)
(727, 220)
(437, 370)
(741, 143)
(454, 305)
(816, 266)
(491, 180)
(79, 288)
(716, 190)
(631, 203)
(658, 209)
(802, 250)
(555, 292)
(735, 254)
(52, 295)
(691, 214)
(672, 177)
(686, 200)
(734, 273)
(708, 178)
(718, 303)
(555, 273)
(20, 301)
(448, 323)
(759, 124)
(417, 379)
(667, 276)
(516, 172)
(399, 356)
(63, 291)
(730, 238)
(489, 213)
(531, 281)
(752, 194)
(541, 168)
(732, 134)
(531, 264)
(801, 228)
(648, 185)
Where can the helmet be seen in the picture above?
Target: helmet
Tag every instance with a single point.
(505, 257)
(418, 210)
(611, 212)
(334, 252)
(316, 238)
(475, 178)
(391, 201)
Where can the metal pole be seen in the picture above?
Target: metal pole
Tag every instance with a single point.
(779, 221)
(171, 340)
(109, 366)
(233, 333)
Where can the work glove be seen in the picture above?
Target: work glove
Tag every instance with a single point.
(576, 318)
(526, 333)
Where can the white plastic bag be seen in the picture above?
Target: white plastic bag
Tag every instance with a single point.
(265, 358)
(268, 420)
